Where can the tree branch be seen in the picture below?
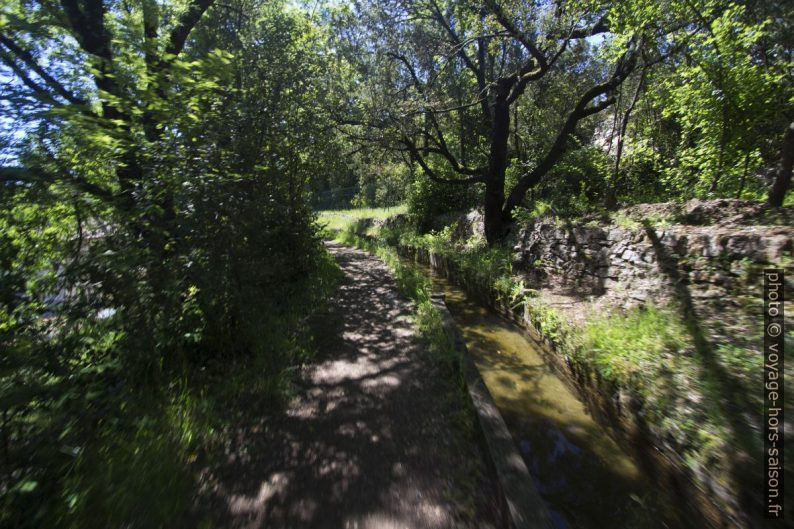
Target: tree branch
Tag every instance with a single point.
(39, 91)
(28, 59)
(584, 108)
(150, 29)
(403, 59)
(602, 26)
(88, 24)
(22, 174)
(187, 22)
(478, 71)
(530, 46)
(439, 17)
(417, 156)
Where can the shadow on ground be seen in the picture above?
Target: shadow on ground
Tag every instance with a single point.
(369, 440)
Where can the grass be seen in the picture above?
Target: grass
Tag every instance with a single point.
(476, 263)
(647, 352)
(638, 343)
(339, 219)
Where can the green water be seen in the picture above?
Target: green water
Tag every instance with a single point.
(587, 480)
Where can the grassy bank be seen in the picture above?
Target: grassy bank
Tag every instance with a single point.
(339, 220)
(652, 355)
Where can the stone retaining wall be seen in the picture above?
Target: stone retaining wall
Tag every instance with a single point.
(634, 265)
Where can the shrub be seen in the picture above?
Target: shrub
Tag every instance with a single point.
(427, 200)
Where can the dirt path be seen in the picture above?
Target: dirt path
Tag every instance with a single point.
(374, 437)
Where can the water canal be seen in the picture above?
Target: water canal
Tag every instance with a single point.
(585, 477)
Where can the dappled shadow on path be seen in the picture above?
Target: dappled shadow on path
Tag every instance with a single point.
(366, 442)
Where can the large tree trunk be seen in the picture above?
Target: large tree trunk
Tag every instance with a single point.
(497, 164)
(494, 227)
(783, 177)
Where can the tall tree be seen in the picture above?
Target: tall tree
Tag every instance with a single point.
(154, 224)
(497, 50)
(123, 101)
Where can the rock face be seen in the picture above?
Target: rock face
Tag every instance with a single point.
(650, 261)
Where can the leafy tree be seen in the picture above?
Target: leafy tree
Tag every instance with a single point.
(155, 231)
(457, 73)
(498, 93)
(707, 123)
(720, 96)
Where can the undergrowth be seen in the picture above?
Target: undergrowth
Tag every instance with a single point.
(135, 467)
(634, 344)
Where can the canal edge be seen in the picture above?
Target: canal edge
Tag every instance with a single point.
(525, 507)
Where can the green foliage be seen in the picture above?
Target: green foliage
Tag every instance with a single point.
(114, 480)
(476, 263)
(647, 351)
(701, 115)
(634, 345)
(490, 265)
(547, 321)
(428, 199)
(540, 208)
(722, 99)
(578, 183)
(384, 185)
(159, 258)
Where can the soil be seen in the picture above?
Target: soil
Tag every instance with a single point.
(377, 435)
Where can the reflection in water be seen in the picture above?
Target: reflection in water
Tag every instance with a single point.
(586, 479)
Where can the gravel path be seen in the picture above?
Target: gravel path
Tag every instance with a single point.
(373, 439)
